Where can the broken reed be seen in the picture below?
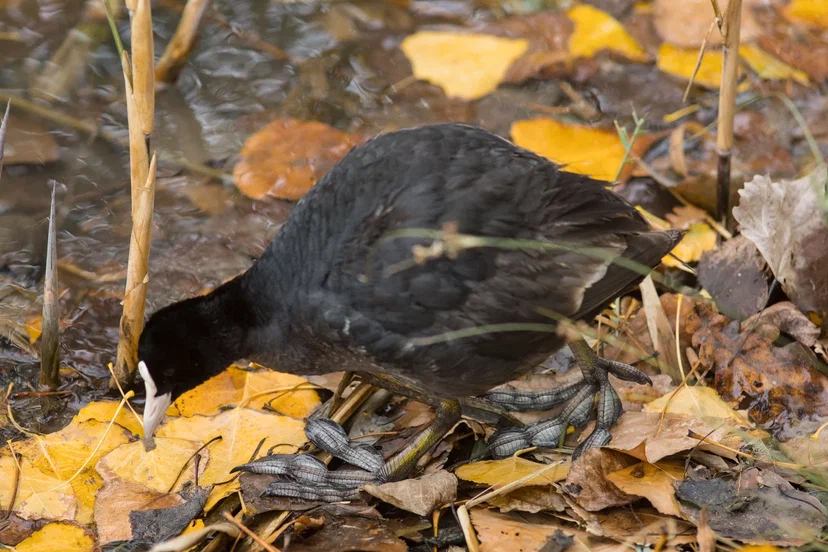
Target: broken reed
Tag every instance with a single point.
(176, 52)
(49, 338)
(727, 107)
(139, 89)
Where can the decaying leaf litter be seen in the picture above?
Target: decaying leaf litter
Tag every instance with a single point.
(727, 452)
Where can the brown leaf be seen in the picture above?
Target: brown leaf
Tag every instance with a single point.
(588, 484)
(532, 499)
(735, 276)
(286, 158)
(27, 142)
(789, 320)
(117, 499)
(420, 496)
(653, 482)
(685, 22)
(345, 534)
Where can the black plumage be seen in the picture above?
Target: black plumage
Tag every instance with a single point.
(338, 288)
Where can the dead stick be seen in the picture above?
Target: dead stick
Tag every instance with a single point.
(49, 341)
(727, 108)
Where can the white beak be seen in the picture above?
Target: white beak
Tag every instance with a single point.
(154, 408)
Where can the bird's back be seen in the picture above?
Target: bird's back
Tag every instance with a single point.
(359, 269)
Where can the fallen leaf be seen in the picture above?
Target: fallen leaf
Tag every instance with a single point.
(103, 411)
(596, 30)
(653, 482)
(64, 452)
(587, 481)
(681, 63)
(594, 152)
(789, 320)
(799, 47)
(39, 496)
(810, 12)
(72, 538)
(241, 430)
(464, 65)
(684, 216)
(498, 473)
(736, 277)
(784, 219)
(532, 499)
(156, 469)
(684, 23)
(286, 158)
(758, 507)
(117, 499)
(695, 400)
(651, 437)
(769, 67)
(809, 452)
(420, 496)
(239, 387)
(698, 239)
(34, 327)
(159, 523)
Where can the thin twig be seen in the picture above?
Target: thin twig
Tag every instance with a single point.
(250, 533)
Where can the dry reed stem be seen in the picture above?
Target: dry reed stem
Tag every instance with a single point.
(660, 331)
(727, 107)
(138, 154)
(132, 319)
(3, 136)
(182, 41)
(49, 339)
(143, 65)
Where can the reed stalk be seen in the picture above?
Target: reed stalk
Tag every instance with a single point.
(727, 107)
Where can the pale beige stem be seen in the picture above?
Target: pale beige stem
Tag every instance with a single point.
(182, 41)
(727, 106)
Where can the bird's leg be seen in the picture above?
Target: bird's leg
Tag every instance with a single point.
(309, 478)
(578, 399)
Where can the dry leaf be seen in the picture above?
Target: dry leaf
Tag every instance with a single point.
(700, 402)
(653, 482)
(103, 411)
(420, 496)
(596, 30)
(241, 430)
(698, 239)
(684, 23)
(532, 499)
(238, 387)
(498, 473)
(71, 537)
(464, 65)
(39, 496)
(788, 319)
(587, 481)
(117, 499)
(594, 152)
(156, 469)
(769, 67)
(681, 62)
(735, 276)
(286, 158)
(810, 12)
(785, 221)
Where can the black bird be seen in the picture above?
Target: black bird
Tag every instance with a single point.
(438, 259)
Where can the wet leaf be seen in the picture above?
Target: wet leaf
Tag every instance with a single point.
(810, 12)
(156, 469)
(768, 67)
(238, 387)
(27, 142)
(498, 473)
(241, 430)
(653, 482)
(120, 497)
(464, 65)
(594, 152)
(784, 219)
(103, 411)
(532, 499)
(789, 320)
(286, 158)
(160, 523)
(420, 496)
(72, 538)
(588, 484)
(681, 62)
(736, 277)
(757, 507)
(64, 452)
(596, 30)
(39, 496)
(695, 401)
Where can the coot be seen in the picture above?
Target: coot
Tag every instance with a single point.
(439, 259)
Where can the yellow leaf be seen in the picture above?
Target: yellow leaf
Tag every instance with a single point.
(156, 469)
(65, 452)
(498, 473)
(759, 548)
(813, 12)
(681, 62)
(464, 65)
(36, 498)
(71, 537)
(698, 239)
(34, 327)
(768, 67)
(103, 411)
(695, 401)
(653, 482)
(241, 430)
(584, 150)
(596, 30)
(235, 387)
